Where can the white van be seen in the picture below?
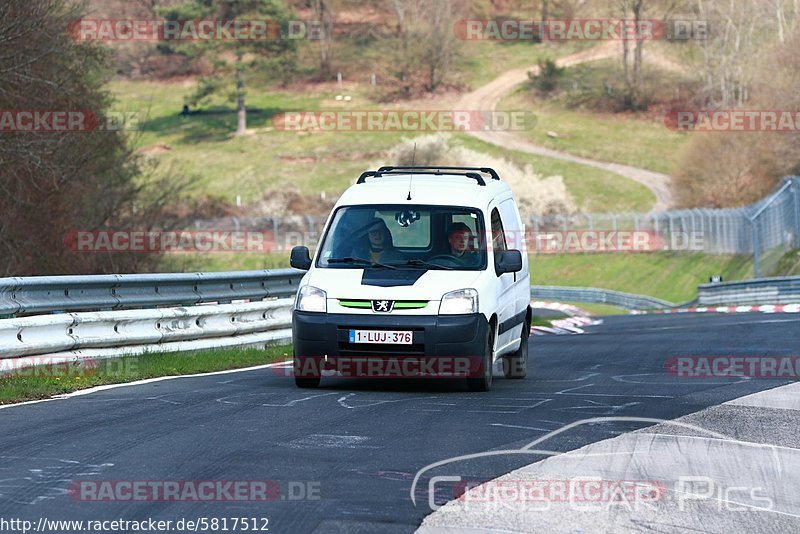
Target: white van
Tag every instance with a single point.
(422, 267)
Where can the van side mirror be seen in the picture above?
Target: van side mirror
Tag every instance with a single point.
(510, 261)
(300, 258)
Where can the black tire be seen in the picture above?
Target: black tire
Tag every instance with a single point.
(484, 382)
(306, 381)
(515, 365)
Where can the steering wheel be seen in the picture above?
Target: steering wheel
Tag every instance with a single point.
(445, 260)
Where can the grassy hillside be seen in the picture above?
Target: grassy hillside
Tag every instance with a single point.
(202, 148)
(641, 140)
(594, 190)
(666, 275)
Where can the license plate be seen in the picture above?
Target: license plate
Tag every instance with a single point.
(381, 337)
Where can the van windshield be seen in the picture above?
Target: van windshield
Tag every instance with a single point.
(404, 237)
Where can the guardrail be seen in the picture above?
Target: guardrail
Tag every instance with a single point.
(783, 290)
(100, 316)
(46, 294)
(599, 296)
(74, 336)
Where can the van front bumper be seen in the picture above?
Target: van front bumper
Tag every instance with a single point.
(443, 338)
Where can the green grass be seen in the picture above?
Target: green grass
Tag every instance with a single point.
(483, 61)
(666, 275)
(225, 261)
(43, 383)
(594, 190)
(599, 310)
(788, 264)
(202, 147)
(538, 320)
(639, 140)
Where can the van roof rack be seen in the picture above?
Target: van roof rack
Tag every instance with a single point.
(431, 170)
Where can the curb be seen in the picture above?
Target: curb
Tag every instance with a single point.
(570, 325)
(764, 308)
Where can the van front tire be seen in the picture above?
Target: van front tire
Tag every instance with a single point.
(308, 380)
(306, 383)
(484, 382)
(515, 365)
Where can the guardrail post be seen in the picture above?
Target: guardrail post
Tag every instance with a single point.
(756, 260)
(796, 194)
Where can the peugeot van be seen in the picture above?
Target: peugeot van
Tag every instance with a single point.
(420, 265)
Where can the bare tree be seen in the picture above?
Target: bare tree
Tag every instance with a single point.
(740, 29)
(636, 12)
(425, 39)
(724, 169)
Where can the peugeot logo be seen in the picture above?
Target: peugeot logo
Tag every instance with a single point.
(382, 306)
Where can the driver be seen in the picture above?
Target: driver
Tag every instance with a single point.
(378, 246)
(461, 238)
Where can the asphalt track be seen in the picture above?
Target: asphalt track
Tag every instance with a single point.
(361, 442)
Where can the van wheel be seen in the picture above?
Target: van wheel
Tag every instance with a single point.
(484, 383)
(516, 364)
(307, 381)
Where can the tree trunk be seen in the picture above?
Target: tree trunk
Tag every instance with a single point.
(323, 11)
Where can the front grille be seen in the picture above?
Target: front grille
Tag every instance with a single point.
(398, 305)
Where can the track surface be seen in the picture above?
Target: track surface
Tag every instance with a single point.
(361, 441)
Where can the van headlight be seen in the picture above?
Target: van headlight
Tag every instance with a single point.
(459, 302)
(311, 299)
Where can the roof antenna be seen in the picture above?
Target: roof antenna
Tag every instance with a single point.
(411, 177)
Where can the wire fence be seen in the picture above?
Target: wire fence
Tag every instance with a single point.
(766, 229)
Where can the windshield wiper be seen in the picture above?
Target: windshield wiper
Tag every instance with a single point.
(421, 263)
(362, 261)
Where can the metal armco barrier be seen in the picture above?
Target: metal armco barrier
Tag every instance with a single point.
(598, 296)
(784, 290)
(137, 331)
(133, 314)
(46, 294)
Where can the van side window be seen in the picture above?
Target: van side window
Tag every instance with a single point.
(498, 235)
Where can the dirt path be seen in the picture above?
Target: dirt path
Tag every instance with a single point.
(489, 96)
